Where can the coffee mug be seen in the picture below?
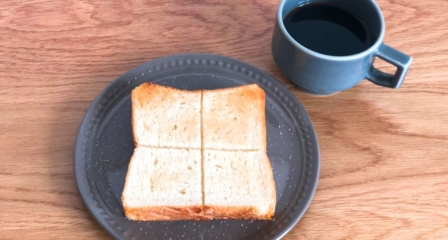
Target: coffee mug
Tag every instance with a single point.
(330, 71)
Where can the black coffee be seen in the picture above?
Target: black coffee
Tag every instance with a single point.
(327, 29)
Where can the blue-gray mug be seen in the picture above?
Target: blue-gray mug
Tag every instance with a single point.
(322, 74)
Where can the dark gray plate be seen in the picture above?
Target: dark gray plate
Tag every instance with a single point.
(104, 146)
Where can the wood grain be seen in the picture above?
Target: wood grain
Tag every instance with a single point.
(384, 168)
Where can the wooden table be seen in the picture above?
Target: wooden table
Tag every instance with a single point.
(384, 166)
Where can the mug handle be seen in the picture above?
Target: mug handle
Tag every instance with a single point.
(394, 57)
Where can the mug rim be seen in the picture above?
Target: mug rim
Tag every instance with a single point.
(362, 54)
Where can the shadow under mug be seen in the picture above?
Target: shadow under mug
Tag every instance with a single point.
(321, 74)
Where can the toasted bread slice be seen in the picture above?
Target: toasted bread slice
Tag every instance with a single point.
(234, 118)
(166, 117)
(238, 185)
(168, 179)
(163, 184)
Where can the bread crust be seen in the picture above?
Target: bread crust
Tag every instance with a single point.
(273, 202)
(263, 118)
(126, 181)
(236, 212)
(157, 213)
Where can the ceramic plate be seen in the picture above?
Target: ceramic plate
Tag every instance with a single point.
(104, 146)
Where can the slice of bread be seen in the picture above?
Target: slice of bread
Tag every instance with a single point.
(238, 185)
(163, 184)
(199, 155)
(166, 117)
(234, 118)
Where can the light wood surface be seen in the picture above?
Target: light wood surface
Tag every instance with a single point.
(384, 166)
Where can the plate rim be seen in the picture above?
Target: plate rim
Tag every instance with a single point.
(82, 180)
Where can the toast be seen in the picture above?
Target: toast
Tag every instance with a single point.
(163, 184)
(234, 118)
(238, 185)
(166, 117)
(199, 155)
